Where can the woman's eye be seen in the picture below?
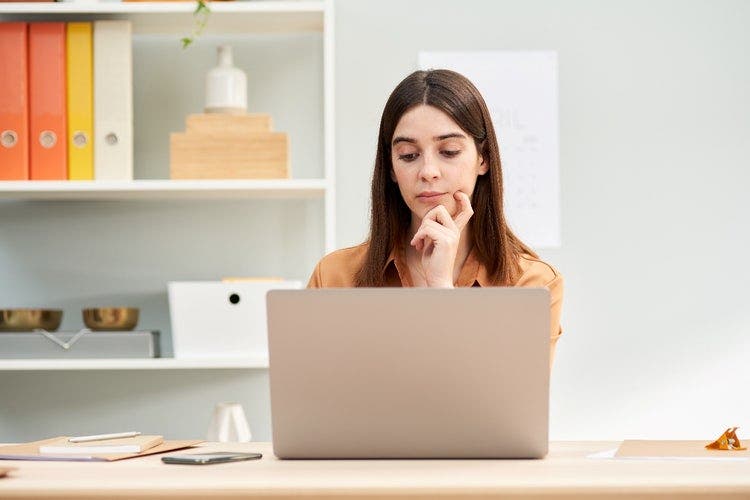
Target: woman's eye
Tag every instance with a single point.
(408, 157)
(451, 154)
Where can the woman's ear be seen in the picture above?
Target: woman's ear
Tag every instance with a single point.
(393, 176)
(483, 167)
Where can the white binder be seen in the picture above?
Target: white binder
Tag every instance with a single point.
(113, 100)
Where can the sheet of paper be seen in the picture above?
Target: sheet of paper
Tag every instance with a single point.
(665, 450)
(520, 89)
(680, 449)
(53, 458)
(30, 451)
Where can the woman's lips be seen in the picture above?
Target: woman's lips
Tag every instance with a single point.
(430, 195)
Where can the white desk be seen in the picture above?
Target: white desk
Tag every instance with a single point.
(565, 473)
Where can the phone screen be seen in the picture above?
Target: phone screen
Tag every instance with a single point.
(210, 458)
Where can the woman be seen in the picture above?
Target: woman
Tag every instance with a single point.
(437, 201)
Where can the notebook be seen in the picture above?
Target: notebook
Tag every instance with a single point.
(137, 444)
(30, 451)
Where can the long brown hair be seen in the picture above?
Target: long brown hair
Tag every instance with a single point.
(497, 248)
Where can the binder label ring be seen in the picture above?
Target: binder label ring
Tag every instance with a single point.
(80, 139)
(47, 139)
(9, 138)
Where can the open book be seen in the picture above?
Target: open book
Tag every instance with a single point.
(137, 444)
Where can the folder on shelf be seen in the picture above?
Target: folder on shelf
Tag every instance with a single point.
(80, 95)
(48, 156)
(30, 451)
(113, 100)
(14, 102)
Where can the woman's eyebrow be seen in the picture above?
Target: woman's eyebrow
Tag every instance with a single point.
(443, 137)
(449, 136)
(400, 138)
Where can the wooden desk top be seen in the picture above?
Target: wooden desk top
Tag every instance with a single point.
(565, 473)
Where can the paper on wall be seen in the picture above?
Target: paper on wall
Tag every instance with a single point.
(520, 89)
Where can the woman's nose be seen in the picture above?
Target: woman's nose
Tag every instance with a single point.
(430, 169)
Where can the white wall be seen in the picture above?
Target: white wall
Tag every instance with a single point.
(654, 122)
(655, 141)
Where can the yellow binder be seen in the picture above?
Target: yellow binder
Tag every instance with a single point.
(80, 97)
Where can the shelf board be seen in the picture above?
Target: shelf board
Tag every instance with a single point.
(130, 364)
(162, 189)
(177, 17)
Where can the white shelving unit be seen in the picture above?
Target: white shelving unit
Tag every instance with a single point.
(266, 16)
(162, 189)
(131, 364)
(249, 17)
(176, 17)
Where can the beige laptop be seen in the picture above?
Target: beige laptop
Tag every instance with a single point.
(409, 372)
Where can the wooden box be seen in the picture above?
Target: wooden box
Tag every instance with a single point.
(222, 124)
(222, 146)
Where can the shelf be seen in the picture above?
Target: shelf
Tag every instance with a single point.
(177, 17)
(162, 189)
(130, 364)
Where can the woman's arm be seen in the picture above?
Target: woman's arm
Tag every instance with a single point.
(537, 273)
(556, 294)
(315, 279)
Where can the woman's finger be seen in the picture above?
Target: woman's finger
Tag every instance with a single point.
(418, 241)
(431, 231)
(436, 229)
(465, 211)
(444, 232)
(441, 215)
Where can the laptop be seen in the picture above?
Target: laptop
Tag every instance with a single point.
(409, 372)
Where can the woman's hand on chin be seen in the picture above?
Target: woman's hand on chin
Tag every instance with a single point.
(437, 241)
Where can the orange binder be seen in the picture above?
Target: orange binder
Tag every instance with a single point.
(14, 102)
(47, 112)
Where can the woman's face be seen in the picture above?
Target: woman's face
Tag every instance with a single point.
(432, 158)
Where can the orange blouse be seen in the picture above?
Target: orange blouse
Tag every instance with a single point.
(339, 268)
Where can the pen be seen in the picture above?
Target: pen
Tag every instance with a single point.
(97, 437)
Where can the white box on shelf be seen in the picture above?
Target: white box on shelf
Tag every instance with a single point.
(217, 319)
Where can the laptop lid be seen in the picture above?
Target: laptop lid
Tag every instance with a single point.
(409, 372)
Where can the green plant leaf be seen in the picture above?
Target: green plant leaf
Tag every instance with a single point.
(200, 19)
(202, 7)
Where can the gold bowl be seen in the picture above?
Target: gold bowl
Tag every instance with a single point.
(26, 320)
(110, 318)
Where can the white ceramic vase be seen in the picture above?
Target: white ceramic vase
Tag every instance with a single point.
(228, 424)
(226, 85)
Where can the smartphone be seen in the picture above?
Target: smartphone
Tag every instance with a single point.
(218, 457)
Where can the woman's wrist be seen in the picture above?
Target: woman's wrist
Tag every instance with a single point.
(441, 284)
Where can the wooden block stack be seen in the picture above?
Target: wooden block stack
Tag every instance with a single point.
(222, 146)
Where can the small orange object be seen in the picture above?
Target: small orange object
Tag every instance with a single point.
(727, 441)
